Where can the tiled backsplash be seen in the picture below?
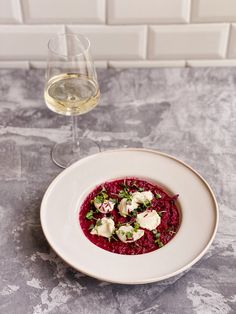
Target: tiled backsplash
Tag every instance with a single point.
(123, 33)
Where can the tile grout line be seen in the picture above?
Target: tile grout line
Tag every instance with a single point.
(190, 12)
(146, 42)
(21, 11)
(227, 48)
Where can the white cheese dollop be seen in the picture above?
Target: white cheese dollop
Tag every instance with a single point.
(105, 229)
(124, 233)
(149, 219)
(104, 207)
(125, 206)
(142, 197)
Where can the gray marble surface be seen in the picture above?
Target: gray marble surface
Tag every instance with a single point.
(188, 113)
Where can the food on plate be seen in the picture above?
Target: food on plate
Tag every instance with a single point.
(129, 216)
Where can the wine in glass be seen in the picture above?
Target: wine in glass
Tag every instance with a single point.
(71, 89)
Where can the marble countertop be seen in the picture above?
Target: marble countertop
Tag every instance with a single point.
(188, 113)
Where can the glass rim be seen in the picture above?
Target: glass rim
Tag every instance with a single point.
(76, 36)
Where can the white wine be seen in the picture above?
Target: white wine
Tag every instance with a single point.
(71, 94)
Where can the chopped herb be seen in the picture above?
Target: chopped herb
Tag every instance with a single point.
(158, 196)
(89, 215)
(99, 222)
(129, 235)
(136, 226)
(159, 243)
(146, 204)
(101, 197)
(156, 234)
(113, 200)
(98, 199)
(125, 194)
(91, 227)
(133, 213)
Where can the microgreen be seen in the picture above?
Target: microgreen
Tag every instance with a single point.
(129, 235)
(100, 197)
(136, 226)
(99, 222)
(158, 196)
(156, 234)
(113, 200)
(89, 215)
(125, 194)
(133, 213)
(91, 227)
(159, 243)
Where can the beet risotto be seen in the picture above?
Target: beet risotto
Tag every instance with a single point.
(129, 216)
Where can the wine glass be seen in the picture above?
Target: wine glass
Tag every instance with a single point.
(71, 89)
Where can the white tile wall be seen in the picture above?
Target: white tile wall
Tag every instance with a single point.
(64, 11)
(211, 63)
(115, 42)
(148, 11)
(123, 33)
(147, 64)
(213, 10)
(188, 42)
(10, 11)
(24, 42)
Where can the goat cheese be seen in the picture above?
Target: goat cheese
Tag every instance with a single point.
(149, 219)
(105, 228)
(142, 197)
(125, 206)
(104, 207)
(127, 234)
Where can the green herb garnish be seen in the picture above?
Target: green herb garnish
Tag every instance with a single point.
(129, 235)
(101, 197)
(136, 226)
(159, 243)
(89, 215)
(99, 222)
(125, 194)
(156, 234)
(158, 196)
(91, 227)
(113, 200)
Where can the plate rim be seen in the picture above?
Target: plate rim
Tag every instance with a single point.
(144, 281)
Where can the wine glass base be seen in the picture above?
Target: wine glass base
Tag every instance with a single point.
(64, 154)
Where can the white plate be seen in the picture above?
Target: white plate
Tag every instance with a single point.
(62, 200)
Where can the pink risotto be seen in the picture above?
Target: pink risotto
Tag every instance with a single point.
(129, 216)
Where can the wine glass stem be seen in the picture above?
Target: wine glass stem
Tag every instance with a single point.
(75, 137)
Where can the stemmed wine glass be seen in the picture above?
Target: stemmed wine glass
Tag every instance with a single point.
(71, 89)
